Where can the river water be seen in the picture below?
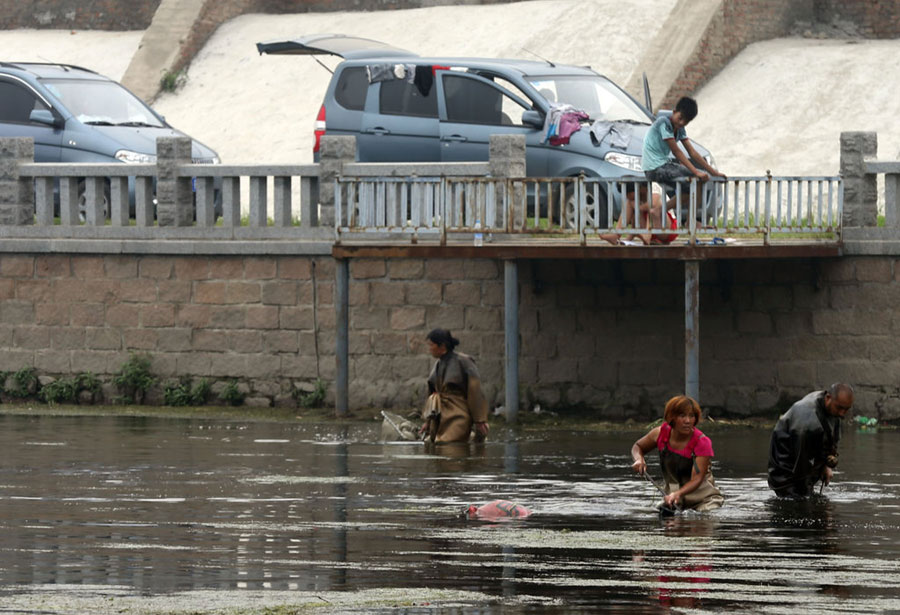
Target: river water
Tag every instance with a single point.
(147, 515)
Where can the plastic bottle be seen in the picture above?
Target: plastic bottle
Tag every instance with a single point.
(866, 421)
(479, 236)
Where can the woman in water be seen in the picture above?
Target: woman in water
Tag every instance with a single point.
(455, 401)
(684, 456)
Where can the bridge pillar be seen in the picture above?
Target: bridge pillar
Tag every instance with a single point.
(16, 192)
(511, 332)
(692, 329)
(860, 188)
(342, 336)
(335, 152)
(174, 197)
(507, 159)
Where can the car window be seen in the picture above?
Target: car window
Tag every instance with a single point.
(399, 97)
(512, 87)
(476, 102)
(596, 95)
(351, 88)
(17, 103)
(102, 103)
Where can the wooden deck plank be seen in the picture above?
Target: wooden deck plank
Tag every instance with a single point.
(569, 250)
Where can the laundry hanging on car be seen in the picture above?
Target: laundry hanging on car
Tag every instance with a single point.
(619, 133)
(384, 71)
(424, 79)
(562, 122)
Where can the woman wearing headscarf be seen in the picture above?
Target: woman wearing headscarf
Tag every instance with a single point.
(684, 456)
(455, 401)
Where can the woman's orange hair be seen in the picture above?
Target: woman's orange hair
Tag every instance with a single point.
(682, 404)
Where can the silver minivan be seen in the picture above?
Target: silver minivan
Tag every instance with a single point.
(402, 107)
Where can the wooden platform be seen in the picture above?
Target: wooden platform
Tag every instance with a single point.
(538, 248)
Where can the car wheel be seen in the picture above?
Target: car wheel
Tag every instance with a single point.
(82, 201)
(572, 205)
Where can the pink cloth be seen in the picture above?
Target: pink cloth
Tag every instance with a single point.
(569, 123)
(498, 509)
(699, 444)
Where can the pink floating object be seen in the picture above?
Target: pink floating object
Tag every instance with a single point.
(498, 509)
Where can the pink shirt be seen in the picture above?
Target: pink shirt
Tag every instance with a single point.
(699, 444)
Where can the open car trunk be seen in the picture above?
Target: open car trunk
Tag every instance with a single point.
(347, 47)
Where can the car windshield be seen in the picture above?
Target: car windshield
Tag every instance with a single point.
(595, 95)
(102, 103)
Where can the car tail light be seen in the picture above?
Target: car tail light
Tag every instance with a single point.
(319, 129)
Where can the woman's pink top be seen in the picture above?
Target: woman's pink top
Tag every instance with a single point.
(699, 444)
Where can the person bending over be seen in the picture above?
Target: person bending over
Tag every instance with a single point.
(455, 402)
(803, 449)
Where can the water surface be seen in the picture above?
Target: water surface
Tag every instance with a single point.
(101, 514)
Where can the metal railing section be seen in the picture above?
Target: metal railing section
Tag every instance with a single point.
(763, 207)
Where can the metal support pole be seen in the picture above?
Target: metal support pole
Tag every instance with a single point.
(511, 323)
(342, 335)
(692, 329)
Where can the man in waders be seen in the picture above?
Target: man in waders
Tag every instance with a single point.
(804, 442)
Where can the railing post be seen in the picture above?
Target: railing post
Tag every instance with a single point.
(174, 198)
(860, 188)
(891, 200)
(692, 211)
(767, 228)
(335, 152)
(16, 192)
(309, 201)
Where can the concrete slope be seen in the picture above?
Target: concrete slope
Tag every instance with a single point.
(161, 46)
(673, 45)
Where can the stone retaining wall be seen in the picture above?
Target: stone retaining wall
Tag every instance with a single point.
(874, 18)
(742, 22)
(736, 24)
(604, 334)
(250, 318)
(78, 14)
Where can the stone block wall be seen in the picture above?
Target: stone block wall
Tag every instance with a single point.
(604, 335)
(609, 335)
(219, 318)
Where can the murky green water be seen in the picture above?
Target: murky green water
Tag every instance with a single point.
(105, 514)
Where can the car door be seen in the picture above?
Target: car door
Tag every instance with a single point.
(400, 124)
(472, 109)
(20, 108)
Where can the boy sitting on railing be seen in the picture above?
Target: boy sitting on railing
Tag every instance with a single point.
(664, 162)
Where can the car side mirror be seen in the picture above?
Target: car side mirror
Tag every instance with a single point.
(45, 116)
(533, 118)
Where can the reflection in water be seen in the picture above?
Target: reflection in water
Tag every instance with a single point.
(156, 506)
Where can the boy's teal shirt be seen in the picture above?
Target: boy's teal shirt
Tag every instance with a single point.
(656, 151)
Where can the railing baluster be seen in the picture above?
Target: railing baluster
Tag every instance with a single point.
(43, 201)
